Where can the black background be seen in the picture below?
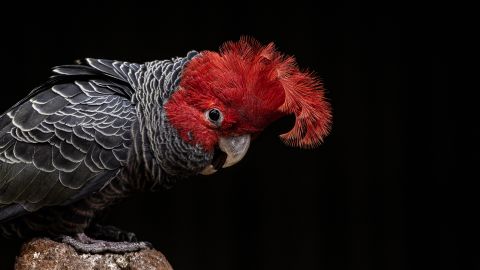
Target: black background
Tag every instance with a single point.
(389, 189)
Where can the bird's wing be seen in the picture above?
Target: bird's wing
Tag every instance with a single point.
(67, 139)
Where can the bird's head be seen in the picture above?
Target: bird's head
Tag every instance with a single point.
(224, 98)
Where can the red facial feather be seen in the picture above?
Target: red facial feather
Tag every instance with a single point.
(252, 85)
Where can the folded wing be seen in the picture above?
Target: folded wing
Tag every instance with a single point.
(65, 140)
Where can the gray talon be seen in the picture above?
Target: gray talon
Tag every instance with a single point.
(85, 244)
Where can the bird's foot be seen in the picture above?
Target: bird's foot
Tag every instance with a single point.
(84, 244)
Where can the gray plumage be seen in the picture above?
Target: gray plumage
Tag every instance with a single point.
(92, 134)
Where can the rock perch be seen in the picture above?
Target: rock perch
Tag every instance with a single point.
(43, 253)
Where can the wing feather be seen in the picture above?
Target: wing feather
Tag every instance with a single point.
(65, 140)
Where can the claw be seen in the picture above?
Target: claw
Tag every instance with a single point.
(84, 244)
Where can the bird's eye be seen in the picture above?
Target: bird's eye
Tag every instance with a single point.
(215, 116)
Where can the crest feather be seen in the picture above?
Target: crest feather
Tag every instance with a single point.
(304, 92)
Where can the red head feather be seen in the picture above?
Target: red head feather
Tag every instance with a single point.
(254, 85)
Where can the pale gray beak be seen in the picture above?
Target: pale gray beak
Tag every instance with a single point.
(233, 148)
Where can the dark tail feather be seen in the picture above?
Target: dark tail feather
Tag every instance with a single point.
(10, 212)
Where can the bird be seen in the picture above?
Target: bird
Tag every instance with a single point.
(99, 131)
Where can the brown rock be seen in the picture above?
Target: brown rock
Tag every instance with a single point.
(43, 253)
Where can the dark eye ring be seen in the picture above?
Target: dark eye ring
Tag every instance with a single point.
(215, 116)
